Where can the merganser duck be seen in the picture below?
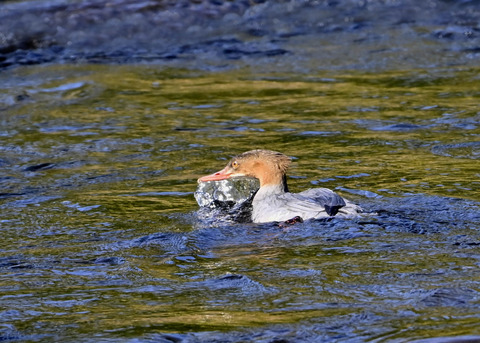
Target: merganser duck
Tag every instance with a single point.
(273, 202)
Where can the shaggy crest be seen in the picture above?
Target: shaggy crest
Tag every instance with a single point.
(279, 160)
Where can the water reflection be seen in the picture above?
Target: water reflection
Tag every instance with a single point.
(101, 239)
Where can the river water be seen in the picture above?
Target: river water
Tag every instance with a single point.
(101, 241)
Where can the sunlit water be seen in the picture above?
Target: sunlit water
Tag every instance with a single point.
(101, 241)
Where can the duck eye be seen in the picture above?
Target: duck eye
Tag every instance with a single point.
(234, 164)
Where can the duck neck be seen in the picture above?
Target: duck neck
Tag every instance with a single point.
(284, 184)
(270, 189)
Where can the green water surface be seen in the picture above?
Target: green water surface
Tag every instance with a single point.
(100, 242)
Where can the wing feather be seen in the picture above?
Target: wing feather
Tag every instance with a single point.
(314, 201)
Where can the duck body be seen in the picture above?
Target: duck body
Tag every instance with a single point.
(270, 205)
(273, 202)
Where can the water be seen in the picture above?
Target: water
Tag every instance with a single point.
(101, 241)
(101, 238)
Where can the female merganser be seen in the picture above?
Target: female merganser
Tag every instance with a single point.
(273, 202)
